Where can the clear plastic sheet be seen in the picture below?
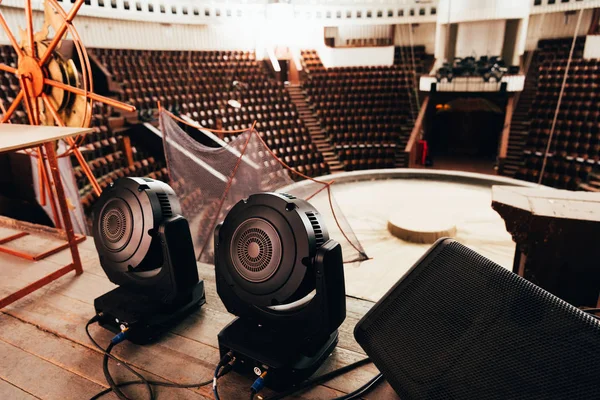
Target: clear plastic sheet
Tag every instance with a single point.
(209, 181)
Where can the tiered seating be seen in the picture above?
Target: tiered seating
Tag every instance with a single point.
(558, 49)
(369, 42)
(367, 156)
(9, 85)
(311, 61)
(404, 55)
(365, 111)
(202, 84)
(175, 77)
(575, 148)
(104, 151)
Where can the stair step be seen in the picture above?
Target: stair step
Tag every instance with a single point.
(588, 188)
(305, 113)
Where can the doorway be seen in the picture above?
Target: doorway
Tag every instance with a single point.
(465, 131)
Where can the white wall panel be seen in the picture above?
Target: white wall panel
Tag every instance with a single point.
(201, 12)
(480, 38)
(422, 34)
(546, 6)
(356, 56)
(555, 25)
(112, 33)
(363, 31)
(592, 47)
(479, 10)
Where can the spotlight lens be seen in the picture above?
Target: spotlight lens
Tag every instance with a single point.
(256, 250)
(116, 225)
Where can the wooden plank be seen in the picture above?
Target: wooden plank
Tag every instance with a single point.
(16, 273)
(355, 308)
(74, 358)
(25, 370)
(37, 244)
(9, 391)
(66, 317)
(16, 137)
(35, 285)
(67, 305)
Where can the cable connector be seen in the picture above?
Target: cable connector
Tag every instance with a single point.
(226, 358)
(95, 318)
(228, 367)
(258, 384)
(120, 337)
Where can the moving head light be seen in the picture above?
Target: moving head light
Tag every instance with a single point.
(145, 247)
(279, 273)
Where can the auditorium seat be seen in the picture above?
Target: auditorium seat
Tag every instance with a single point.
(200, 85)
(363, 110)
(575, 148)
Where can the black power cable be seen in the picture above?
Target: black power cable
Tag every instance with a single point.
(107, 355)
(225, 360)
(363, 389)
(111, 381)
(320, 379)
(226, 364)
(224, 372)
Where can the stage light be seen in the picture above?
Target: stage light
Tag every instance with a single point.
(277, 270)
(145, 247)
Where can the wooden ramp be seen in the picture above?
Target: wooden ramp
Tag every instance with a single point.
(45, 353)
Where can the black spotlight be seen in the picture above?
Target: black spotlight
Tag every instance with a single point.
(145, 247)
(277, 270)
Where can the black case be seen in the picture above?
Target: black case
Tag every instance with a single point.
(459, 326)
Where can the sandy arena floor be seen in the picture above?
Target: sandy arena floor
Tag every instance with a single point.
(367, 206)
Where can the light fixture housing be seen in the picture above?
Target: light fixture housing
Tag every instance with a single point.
(145, 246)
(278, 271)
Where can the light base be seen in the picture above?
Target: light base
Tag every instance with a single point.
(145, 318)
(288, 360)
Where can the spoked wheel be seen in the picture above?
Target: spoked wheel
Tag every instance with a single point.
(52, 90)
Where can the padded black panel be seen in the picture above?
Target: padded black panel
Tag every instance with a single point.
(459, 326)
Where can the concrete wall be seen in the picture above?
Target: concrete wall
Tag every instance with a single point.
(480, 38)
(356, 56)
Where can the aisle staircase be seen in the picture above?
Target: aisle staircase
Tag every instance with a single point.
(401, 155)
(314, 129)
(593, 183)
(521, 121)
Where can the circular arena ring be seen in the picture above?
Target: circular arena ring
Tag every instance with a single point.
(369, 199)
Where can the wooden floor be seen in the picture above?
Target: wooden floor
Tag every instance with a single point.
(45, 353)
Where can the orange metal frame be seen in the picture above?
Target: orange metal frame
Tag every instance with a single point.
(34, 78)
(72, 239)
(33, 257)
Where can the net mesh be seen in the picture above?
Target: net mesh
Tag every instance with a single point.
(210, 180)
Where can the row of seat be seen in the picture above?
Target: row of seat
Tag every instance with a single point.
(560, 172)
(369, 42)
(575, 147)
(361, 107)
(369, 156)
(219, 79)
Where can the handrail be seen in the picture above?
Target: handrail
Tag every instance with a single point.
(411, 145)
(510, 108)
